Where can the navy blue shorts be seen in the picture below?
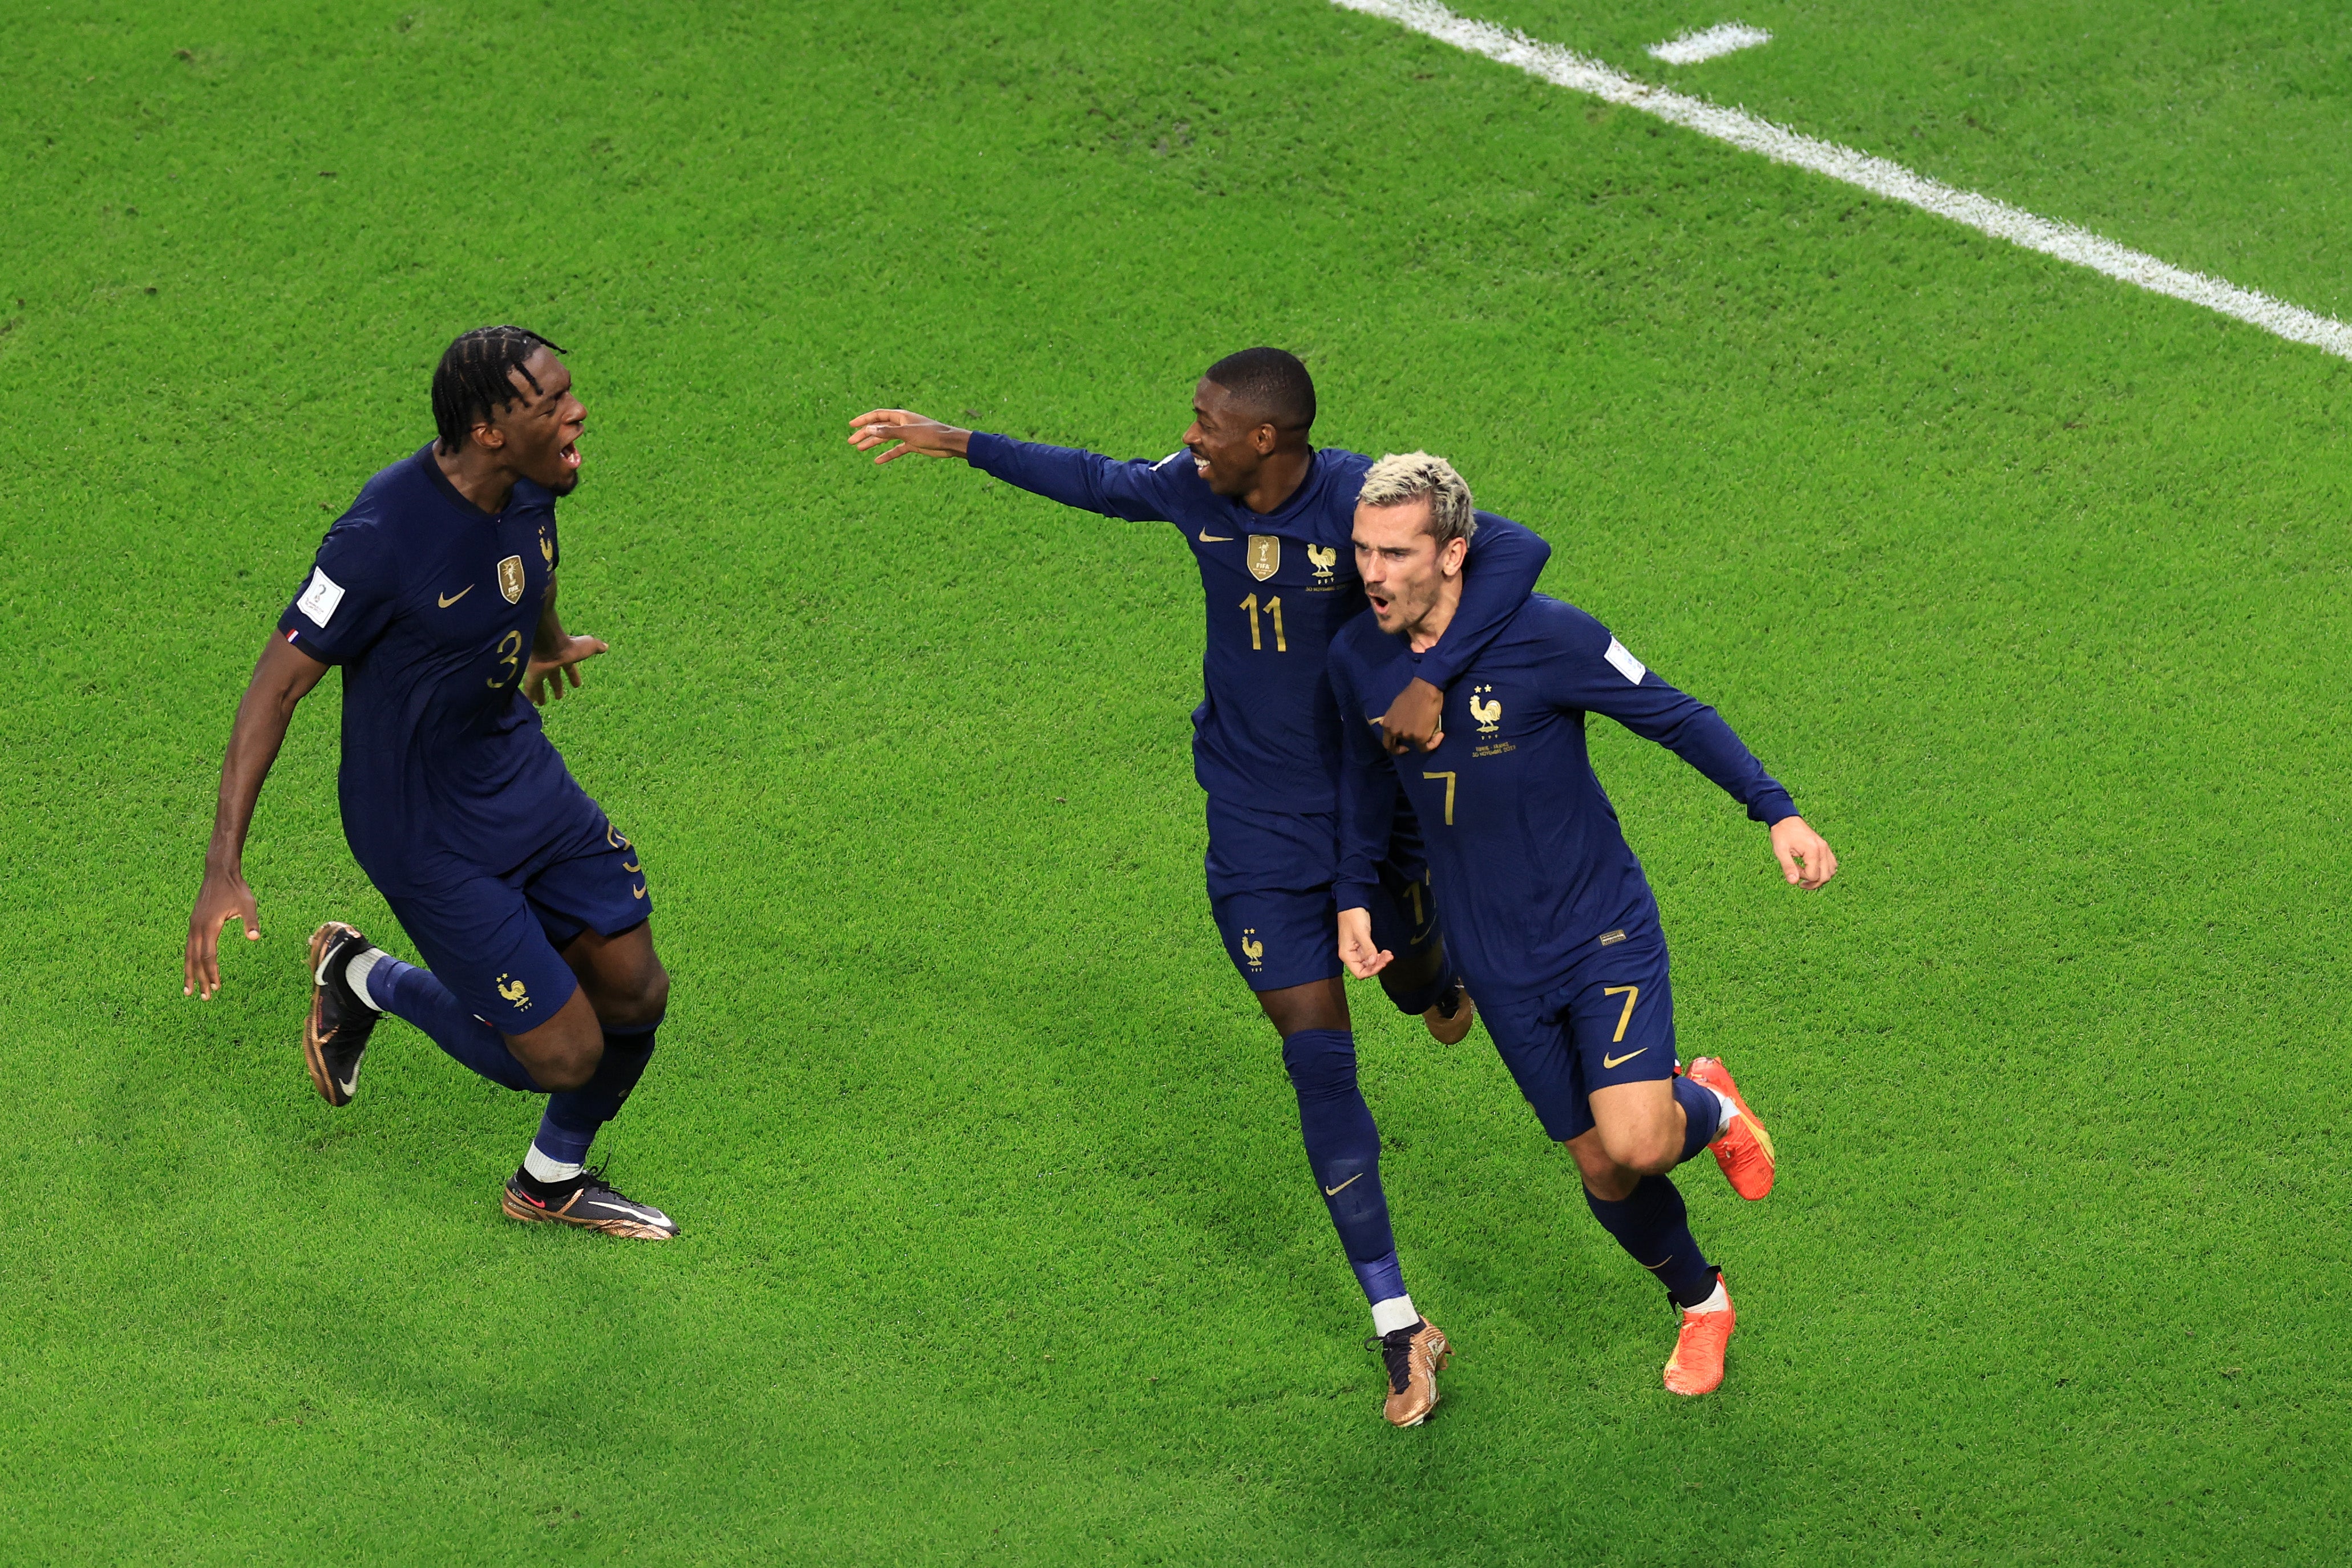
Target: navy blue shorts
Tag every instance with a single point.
(1612, 1022)
(1270, 875)
(493, 939)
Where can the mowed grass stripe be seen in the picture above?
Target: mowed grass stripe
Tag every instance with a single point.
(2026, 589)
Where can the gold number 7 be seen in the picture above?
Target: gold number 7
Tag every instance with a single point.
(1449, 794)
(1633, 995)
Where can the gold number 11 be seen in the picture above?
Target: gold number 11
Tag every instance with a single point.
(1272, 608)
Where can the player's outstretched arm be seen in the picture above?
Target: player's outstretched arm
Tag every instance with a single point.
(281, 679)
(1806, 859)
(882, 426)
(1138, 491)
(555, 657)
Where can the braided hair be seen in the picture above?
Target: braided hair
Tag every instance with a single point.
(470, 384)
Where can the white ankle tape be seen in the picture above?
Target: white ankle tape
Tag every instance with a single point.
(356, 973)
(542, 1168)
(1393, 1314)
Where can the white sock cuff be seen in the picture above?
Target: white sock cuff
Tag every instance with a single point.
(539, 1167)
(1393, 1314)
(1716, 1303)
(1730, 1111)
(356, 972)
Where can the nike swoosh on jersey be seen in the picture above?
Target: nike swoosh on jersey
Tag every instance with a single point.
(1336, 1191)
(1611, 1062)
(1209, 539)
(452, 598)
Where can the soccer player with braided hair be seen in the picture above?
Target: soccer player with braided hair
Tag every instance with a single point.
(436, 592)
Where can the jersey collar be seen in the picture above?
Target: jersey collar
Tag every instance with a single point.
(451, 494)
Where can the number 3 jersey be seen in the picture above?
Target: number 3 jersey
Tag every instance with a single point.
(1279, 586)
(430, 604)
(1526, 857)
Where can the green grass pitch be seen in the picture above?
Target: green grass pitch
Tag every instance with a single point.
(998, 1246)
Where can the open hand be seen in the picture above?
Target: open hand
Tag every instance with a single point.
(543, 679)
(1415, 721)
(1805, 856)
(1356, 949)
(223, 898)
(881, 426)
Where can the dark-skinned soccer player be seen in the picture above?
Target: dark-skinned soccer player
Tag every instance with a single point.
(436, 592)
(1545, 904)
(1268, 517)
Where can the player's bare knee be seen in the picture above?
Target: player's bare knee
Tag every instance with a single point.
(639, 1002)
(1643, 1150)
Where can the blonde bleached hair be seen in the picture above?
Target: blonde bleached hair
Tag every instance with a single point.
(1403, 478)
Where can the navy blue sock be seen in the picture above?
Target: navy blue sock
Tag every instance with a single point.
(1654, 1227)
(573, 1115)
(1705, 1113)
(1343, 1149)
(413, 994)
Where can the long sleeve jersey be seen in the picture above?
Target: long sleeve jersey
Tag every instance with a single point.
(1526, 860)
(1277, 587)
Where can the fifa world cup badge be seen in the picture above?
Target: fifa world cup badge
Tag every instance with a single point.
(510, 578)
(1264, 556)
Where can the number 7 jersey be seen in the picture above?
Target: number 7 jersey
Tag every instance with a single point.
(1526, 856)
(1277, 588)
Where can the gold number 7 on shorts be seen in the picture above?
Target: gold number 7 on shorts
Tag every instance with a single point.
(1633, 995)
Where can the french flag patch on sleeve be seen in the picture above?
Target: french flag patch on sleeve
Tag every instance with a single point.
(1631, 668)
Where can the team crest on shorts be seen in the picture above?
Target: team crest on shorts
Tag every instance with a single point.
(1252, 950)
(510, 578)
(514, 990)
(1264, 556)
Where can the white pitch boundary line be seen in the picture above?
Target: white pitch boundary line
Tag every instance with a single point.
(1877, 176)
(1690, 48)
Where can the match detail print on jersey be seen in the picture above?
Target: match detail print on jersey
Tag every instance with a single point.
(319, 600)
(1631, 668)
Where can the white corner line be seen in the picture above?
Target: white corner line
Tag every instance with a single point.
(1877, 176)
(1689, 48)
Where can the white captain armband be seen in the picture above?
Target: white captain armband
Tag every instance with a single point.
(319, 600)
(1627, 666)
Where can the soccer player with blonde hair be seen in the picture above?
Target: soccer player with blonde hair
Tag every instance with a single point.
(1549, 914)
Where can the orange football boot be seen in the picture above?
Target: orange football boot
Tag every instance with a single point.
(1745, 1152)
(1696, 1365)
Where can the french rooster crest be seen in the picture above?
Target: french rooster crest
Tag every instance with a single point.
(1490, 713)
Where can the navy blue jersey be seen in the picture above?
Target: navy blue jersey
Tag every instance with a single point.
(1526, 860)
(1279, 587)
(429, 604)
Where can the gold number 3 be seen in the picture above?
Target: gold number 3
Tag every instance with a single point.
(509, 652)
